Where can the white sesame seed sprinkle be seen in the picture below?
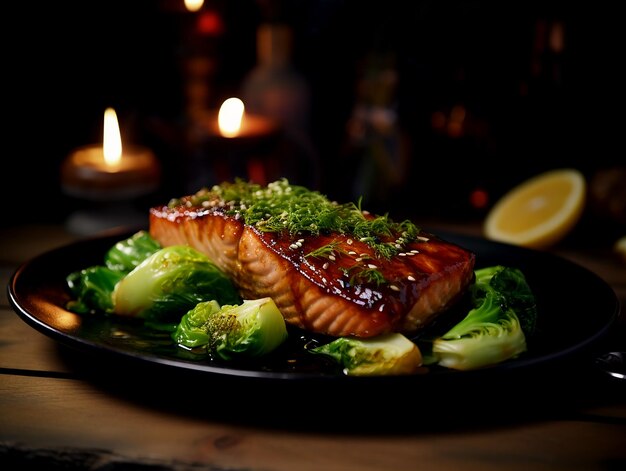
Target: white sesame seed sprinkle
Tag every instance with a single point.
(372, 266)
(394, 287)
(325, 266)
(410, 278)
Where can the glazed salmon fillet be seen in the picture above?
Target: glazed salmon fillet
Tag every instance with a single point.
(331, 269)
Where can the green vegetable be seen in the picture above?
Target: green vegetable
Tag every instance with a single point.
(92, 289)
(250, 329)
(389, 354)
(139, 278)
(170, 282)
(127, 254)
(495, 329)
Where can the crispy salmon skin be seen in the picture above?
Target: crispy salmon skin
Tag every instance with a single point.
(330, 268)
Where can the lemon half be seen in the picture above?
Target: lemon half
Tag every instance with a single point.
(540, 211)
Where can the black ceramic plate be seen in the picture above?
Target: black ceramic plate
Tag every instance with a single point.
(576, 308)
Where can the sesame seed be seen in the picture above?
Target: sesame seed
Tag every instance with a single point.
(372, 266)
(394, 287)
(349, 241)
(410, 278)
(325, 266)
(331, 257)
(415, 251)
(352, 252)
(402, 254)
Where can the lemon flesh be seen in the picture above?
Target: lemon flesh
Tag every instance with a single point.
(540, 211)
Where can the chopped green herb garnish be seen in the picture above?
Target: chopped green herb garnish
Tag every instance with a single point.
(280, 206)
(325, 251)
(359, 274)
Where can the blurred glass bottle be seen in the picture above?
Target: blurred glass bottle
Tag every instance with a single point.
(275, 89)
(376, 150)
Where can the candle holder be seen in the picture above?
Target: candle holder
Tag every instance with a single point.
(109, 189)
(250, 154)
(85, 175)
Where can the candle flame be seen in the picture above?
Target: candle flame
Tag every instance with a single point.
(193, 5)
(230, 117)
(112, 139)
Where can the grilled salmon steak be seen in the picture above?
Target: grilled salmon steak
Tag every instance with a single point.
(330, 268)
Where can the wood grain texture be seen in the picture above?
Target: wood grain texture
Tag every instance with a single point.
(59, 414)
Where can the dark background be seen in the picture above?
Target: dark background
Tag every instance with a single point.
(529, 101)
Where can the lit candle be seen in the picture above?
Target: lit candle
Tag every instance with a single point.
(233, 122)
(233, 143)
(109, 172)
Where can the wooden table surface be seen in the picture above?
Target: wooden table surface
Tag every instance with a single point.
(62, 408)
